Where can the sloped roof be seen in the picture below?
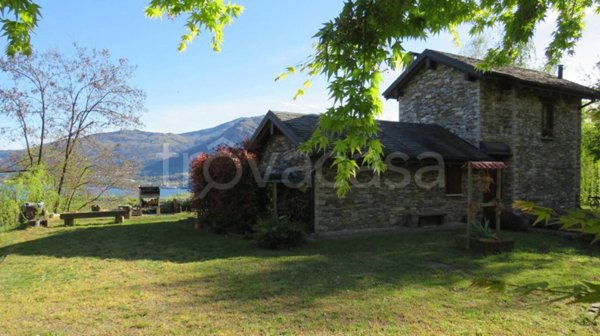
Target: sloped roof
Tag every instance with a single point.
(509, 74)
(408, 138)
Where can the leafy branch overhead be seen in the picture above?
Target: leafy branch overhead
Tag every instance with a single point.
(210, 15)
(19, 19)
(578, 220)
(367, 38)
(353, 50)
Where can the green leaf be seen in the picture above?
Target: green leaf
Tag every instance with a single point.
(299, 94)
(154, 12)
(281, 76)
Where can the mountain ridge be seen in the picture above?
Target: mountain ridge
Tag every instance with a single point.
(148, 148)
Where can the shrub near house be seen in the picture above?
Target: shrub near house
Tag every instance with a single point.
(225, 192)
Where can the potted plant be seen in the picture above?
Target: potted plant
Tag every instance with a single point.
(484, 239)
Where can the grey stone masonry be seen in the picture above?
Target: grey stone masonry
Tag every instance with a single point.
(442, 96)
(283, 157)
(544, 170)
(383, 202)
(392, 200)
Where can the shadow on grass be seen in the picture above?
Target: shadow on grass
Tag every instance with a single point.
(271, 282)
(294, 280)
(173, 241)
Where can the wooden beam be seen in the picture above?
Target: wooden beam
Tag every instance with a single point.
(498, 197)
(470, 77)
(430, 64)
(275, 200)
(469, 199)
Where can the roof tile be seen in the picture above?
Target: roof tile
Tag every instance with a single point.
(411, 139)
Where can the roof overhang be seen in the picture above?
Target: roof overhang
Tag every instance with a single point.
(428, 56)
(495, 148)
(393, 91)
(267, 125)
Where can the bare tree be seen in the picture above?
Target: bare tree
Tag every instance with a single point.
(58, 98)
(94, 95)
(94, 171)
(29, 98)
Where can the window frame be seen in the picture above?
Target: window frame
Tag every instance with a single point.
(456, 172)
(548, 120)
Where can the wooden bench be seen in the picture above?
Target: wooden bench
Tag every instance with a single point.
(69, 217)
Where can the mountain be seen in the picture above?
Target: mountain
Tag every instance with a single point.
(5, 154)
(147, 148)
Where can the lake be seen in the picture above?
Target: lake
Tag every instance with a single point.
(164, 192)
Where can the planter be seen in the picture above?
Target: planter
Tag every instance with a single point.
(485, 245)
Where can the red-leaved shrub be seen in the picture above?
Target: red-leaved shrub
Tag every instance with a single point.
(225, 193)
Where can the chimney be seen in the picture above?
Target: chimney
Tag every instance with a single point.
(560, 71)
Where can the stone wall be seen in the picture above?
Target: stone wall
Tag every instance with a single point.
(443, 96)
(280, 154)
(546, 171)
(381, 203)
(497, 124)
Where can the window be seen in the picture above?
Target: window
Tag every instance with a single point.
(547, 120)
(453, 180)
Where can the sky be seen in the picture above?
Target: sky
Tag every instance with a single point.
(199, 88)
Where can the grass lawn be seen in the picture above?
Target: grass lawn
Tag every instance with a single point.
(157, 276)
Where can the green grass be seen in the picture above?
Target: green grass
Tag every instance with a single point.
(157, 276)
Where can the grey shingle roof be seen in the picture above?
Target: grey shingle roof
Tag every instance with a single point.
(409, 138)
(509, 73)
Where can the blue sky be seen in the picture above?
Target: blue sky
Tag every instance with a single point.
(198, 88)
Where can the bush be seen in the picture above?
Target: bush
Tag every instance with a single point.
(34, 185)
(278, 234)
(175, 205)
(224, 206)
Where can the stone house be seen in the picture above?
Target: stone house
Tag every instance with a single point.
(449, 113)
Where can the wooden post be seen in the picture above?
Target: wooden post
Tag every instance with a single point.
(275, 200)
(498, 198)
(158, 206)
(469, 200)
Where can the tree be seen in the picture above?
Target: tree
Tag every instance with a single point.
(95, 96)
(94, 171)
(590, 145)
(353, 49)
(67, 98)
(225, 191)
(29, 186)
(30, 97)
(478, 46)
(19, 19)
